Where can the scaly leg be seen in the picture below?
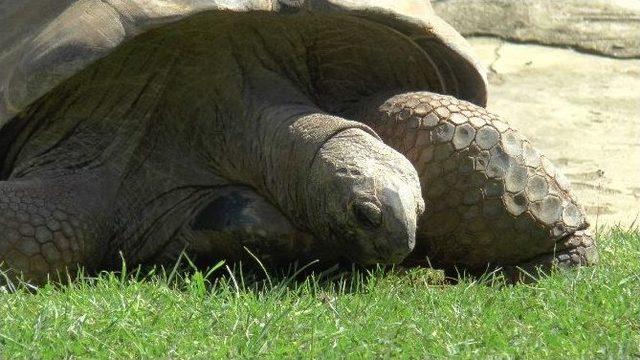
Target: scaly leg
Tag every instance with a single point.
(491, 197)
(50, 226)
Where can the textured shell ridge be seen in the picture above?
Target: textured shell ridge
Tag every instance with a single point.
(45, 42)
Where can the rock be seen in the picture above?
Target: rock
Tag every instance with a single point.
(608, 27)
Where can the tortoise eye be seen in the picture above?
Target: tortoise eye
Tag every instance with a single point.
(368, 214)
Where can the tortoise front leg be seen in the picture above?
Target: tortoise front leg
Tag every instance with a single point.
(49, 226)
(491, 197)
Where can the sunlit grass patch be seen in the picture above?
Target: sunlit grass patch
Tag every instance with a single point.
(582, 313)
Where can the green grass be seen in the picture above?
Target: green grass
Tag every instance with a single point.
(585, 313)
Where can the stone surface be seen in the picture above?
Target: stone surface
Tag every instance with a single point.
(582, 111)
(610, 27)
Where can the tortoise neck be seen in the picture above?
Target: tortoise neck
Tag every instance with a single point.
(288, 132)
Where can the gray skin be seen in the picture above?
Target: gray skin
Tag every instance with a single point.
(122, 155)
(261, 131)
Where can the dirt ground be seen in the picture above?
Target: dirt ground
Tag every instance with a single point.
(582, 110)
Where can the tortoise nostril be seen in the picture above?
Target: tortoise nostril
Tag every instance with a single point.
(367, 214)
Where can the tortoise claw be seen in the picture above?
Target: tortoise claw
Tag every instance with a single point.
(577, 249)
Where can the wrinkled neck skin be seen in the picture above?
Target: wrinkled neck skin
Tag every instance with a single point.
(166, 119)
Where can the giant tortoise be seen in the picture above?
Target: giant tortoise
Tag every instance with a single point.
(337, 130)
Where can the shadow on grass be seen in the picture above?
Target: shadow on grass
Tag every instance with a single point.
(257, 278)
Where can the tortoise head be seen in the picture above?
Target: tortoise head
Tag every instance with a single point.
(367, 199)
